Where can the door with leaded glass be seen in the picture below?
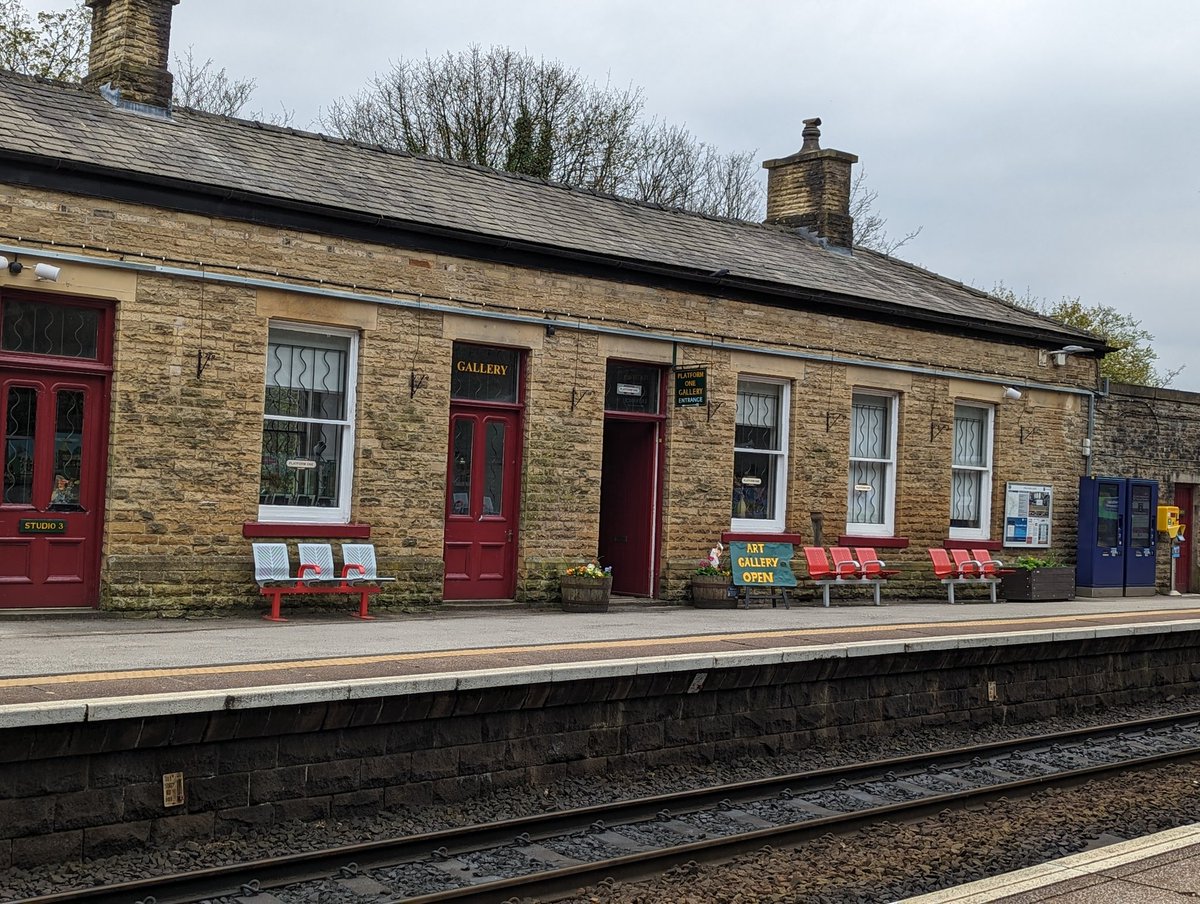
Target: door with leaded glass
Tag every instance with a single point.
(54, 389)
(483, 474)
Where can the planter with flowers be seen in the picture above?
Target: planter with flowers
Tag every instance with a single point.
(712, 582)
(585, 588)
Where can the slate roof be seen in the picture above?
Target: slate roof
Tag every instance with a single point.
(70, 125)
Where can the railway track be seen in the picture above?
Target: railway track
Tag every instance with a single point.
(559, 853)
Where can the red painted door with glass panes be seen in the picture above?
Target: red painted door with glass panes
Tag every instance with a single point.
(481, 504)
(53, 443)
(483, 471)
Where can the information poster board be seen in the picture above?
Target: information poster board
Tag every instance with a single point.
(1027, 512)
(761, 564)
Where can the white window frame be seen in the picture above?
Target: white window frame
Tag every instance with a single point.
(776, 524)
(983, 532)
(888, 527)
(302, 514)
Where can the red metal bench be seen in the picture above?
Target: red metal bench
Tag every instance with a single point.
(272, 572)
(846, 571)
(964, 570)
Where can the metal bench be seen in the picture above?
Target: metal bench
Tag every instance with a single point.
(963, 570)
(845, 572)
(272, 573)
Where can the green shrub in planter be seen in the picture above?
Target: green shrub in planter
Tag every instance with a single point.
(1038, 579)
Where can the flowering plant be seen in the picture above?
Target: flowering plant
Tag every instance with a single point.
(712, 565)
(590, 570)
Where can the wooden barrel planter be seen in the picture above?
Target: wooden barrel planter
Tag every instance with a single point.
(584, 594)
(711, 591)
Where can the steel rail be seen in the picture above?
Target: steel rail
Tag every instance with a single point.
(185, 888)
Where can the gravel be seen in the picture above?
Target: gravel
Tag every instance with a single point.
(892, 861)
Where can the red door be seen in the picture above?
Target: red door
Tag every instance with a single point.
(1183, 564)
(53, 442)
(629, 504)
(481, 503)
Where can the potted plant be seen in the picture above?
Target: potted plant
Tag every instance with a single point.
(711, 582)
(585, 588)
(1037, 578)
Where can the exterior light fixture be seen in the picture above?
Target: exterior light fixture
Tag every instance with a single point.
(1012, 393)
(1060, 355)
(46, 272)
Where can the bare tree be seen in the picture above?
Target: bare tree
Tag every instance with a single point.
(201, 86)
(55, 45)
(506, 110)
(869, 231)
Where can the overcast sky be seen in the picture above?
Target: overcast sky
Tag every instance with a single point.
(1052, 145)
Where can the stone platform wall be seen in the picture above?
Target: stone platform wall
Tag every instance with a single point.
(92, 788)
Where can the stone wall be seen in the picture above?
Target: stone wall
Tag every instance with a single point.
(1144, 431)
(184, 450)
(83, 790)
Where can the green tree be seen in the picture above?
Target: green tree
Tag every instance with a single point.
(1134, 361)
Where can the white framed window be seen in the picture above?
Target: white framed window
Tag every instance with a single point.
(872, 492)
(971, 472)
(308, 425)
(760, 459)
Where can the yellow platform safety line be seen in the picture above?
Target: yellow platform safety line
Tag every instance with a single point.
(632, 643)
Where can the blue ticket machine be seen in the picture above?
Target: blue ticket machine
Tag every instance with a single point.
(1141, 544)
(1118, 539)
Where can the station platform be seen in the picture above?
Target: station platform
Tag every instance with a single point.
(1163, 868)
(90, 667)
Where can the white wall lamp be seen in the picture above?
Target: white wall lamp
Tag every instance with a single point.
(1060, 355)
(1012, 393)
(45, 272)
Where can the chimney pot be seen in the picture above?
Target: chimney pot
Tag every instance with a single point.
(130, 49)
(811, 135)
(811, 189)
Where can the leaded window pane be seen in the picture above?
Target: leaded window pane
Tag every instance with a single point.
(460, 479)
(869, 431)
(868, 492)
(493, 470)
(757, 416)
(68, 450)
(301, 464)
(970, 432)
(20, 421)
(306, 377)
(37, 328)
(965, 498)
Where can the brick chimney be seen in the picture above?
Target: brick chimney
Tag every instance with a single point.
(130, 40)
(811, 188)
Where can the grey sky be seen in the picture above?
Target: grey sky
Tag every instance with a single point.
(1048, 144)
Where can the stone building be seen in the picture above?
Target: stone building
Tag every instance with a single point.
(214, 331)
